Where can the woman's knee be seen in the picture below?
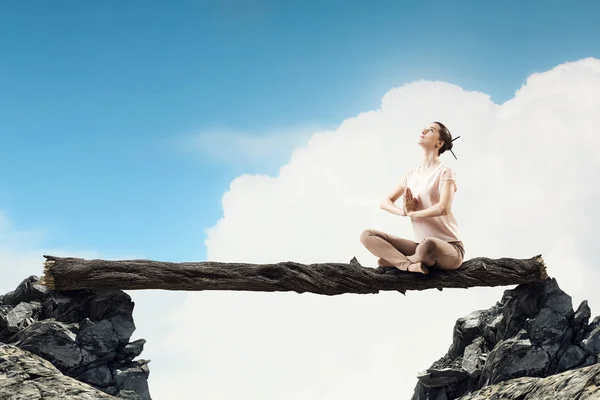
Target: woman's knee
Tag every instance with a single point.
(366, 233)
(429, 245)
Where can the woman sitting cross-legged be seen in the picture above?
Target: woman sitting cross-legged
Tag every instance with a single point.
(428, 192)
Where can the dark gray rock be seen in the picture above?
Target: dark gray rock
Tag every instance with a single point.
(512, 359)
(131, 350)
(20, 316)
(134, 379)
(98, 338)
(546, 327)
(560, 302)
(129, 395)
(474, 359)
(441, 377)
(25, 376)
(51, 340)
(591, 343)
(490, 328)
(532, 332)
(123, 326)
(74, 306)
(100, 376)
(572, 357)
(465, 330)
(80, 332)
(583, 314)
(27, 291)
(589, 361)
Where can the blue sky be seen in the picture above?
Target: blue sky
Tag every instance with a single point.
(93, 94)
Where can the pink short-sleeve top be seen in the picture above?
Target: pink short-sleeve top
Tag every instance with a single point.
(426, 187)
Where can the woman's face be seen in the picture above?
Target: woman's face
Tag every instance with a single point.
(430, 135)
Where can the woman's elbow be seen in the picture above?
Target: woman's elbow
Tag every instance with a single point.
(444, 209)
(384, 203)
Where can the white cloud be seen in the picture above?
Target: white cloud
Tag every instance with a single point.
(526, 173)
(221, 145)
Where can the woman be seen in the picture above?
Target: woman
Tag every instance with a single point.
(428, 193)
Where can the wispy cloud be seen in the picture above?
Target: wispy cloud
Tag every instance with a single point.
(221, 145)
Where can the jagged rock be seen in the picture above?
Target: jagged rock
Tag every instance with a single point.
(93, 304)
(490, 328)
(28, 290)
(589, 361)
(80, 332)
(547, 327)
(465, 330)
(558, 301)
(512, 359)
(474, 358)
(572, 357)
(583, 314)
(19, 317)
(98, 338)
(100, 376)
(532, 333)
(582, 383)
(129, 395)
(131, 350)
(123, 326)
(25, 376)
(441, 377)
(52, 340)
(591, 343)
(135, 379)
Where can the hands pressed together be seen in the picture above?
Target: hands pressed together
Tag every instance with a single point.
(410, 203)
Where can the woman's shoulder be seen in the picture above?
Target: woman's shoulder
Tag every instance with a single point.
(444, 168)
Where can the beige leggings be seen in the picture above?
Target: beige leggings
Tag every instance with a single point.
(431, 251)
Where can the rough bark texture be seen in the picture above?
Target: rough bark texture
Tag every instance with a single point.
(323, 278)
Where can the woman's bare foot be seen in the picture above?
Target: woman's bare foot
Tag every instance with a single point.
(410, 266)
(418, 267)
(384, 263)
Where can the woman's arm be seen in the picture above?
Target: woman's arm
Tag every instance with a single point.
(442, 207)
(388, 203)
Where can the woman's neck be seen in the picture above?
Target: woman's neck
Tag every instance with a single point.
(429, 163)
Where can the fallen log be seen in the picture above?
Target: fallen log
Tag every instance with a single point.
(67, 273)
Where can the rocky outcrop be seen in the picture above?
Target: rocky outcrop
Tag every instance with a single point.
(524, 343)
(580, 384)
(24, 375)
(83, 334)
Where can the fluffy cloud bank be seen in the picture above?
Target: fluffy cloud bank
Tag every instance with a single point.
(527, 172)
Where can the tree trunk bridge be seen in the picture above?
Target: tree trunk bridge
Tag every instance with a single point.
(67, 273)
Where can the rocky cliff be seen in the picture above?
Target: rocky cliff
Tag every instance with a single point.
(75, 345)
(529, 345)
(69, 345)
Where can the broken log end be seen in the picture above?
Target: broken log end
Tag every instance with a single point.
(48, 280)
(543, 272)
